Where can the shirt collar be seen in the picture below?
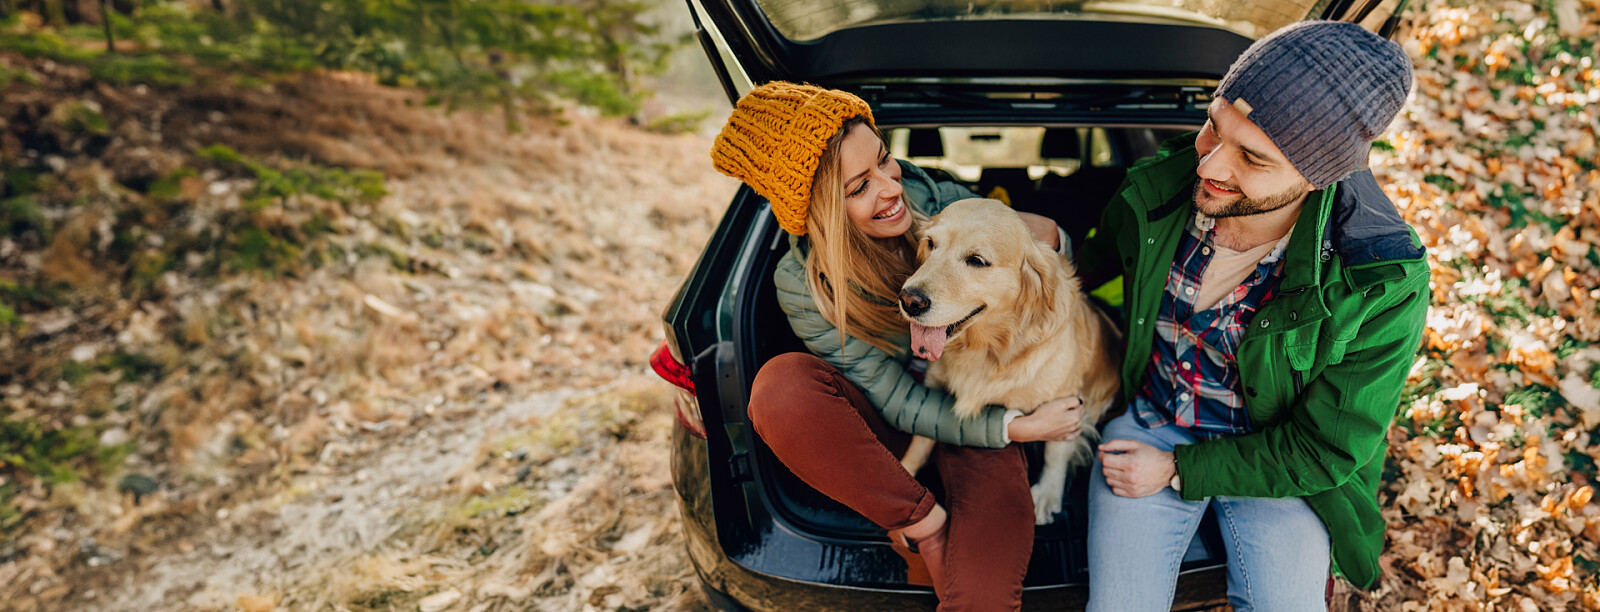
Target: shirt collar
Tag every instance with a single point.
(1205, 224)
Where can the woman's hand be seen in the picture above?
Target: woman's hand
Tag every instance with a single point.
(1136, 469)
(1043, 229)
(1057, 420)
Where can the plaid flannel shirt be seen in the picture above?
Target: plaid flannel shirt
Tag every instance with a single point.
(1193, 378)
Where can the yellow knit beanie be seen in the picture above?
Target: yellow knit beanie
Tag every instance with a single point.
(775, 138)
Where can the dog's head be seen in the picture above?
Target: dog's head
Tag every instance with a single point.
(980, 266)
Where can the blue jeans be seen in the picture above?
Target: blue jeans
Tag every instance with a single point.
(1277, 548)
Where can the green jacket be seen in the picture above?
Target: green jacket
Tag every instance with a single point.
(1322, 364)
(905, 403)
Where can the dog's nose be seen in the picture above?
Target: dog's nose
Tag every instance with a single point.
(914, 302)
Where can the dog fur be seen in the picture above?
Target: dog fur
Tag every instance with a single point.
(1023, 332)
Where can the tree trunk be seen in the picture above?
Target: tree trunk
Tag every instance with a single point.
(105, 18)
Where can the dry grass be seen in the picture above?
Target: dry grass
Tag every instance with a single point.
(501, 266)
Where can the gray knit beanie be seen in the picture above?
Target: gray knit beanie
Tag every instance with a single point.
(1322, 91)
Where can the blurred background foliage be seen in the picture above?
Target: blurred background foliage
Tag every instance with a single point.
(513, 54)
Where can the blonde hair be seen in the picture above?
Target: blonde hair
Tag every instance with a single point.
(855, 278)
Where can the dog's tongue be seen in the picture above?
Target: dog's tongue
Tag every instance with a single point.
(928, 342)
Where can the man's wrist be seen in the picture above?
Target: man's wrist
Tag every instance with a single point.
(1176, 482)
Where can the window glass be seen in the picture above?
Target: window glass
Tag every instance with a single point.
(803, 20)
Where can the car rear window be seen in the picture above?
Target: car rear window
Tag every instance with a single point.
(803, 20)
(965, 152)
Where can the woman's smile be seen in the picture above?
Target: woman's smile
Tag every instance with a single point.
(893, 213)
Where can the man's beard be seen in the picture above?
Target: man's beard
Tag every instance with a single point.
(1245, 206)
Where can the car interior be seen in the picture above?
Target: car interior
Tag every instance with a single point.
(1066, 173)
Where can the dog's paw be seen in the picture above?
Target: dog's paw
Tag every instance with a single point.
(1046, 502)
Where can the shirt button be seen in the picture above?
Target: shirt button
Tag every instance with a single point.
(1185, 397)
(1294, 315)
(1184, 365)
(1149, 240)
(1141, 321)
(1188, 290)
(1205, 250)
(1265, 323)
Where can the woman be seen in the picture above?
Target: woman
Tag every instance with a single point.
(840, 416)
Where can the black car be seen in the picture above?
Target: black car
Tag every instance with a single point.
(1041, 103)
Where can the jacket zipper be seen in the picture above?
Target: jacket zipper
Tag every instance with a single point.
(1299, 381)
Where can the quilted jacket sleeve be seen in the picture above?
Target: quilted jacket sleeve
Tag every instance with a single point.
(906, 404)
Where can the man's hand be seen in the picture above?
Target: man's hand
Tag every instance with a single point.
(1136, 469)
(1043, 229)
(1057, 420)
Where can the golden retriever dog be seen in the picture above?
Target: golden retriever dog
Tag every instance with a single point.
(1003, 322)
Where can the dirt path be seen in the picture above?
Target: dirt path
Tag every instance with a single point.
(480, 510)
(450, 411)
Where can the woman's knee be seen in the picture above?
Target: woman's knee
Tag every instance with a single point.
(788, 389)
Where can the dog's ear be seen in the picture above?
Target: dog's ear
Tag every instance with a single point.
(1039, 281)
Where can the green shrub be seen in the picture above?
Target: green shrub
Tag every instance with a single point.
(678, 123)
(9, 320)
(56, 455)
(20, 215)
(149, 69)
(79, 117)
(256, 250)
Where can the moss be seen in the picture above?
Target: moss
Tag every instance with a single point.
(9, 320)
(149, 69)
(55, 456)
(46, 44)
(10, 514)
(274, 185)
(388, 599)
(507, 502)
(434, 239)
(21, 215)
(132, 365)
(32, 296)
(170, 187)
(9, 76)
(678, 123)
(18, 181)
(78, 117)
(257, 250)
(397, 258)
(148, 266)
(74, 372)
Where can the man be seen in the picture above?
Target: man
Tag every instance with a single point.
(1274, 302)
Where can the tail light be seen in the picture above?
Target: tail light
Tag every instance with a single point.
(679, 375)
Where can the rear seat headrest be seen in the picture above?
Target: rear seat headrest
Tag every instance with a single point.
(1061, 143)
(924, 142)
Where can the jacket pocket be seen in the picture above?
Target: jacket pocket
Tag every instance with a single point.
(1333, 350)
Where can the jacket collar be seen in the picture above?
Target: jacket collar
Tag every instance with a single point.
(1353, 219)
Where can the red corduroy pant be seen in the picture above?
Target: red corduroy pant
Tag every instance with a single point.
(821, 426)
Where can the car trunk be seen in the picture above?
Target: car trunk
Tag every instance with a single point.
(1094, 85)
(1068, 176)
